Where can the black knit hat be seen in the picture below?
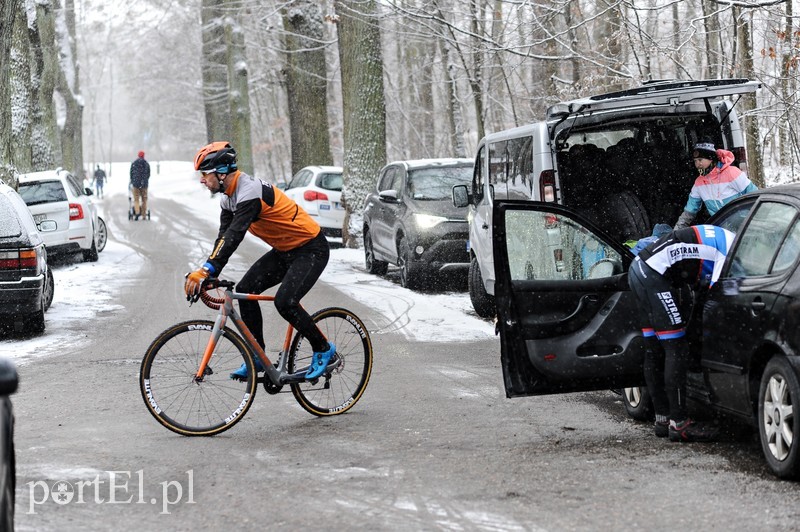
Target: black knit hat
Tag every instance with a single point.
(706, 150)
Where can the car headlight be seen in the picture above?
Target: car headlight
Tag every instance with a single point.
(426, 221)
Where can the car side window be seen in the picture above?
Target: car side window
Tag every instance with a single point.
(385, 182)
(771, 234)
(74, 186)
(735, 217)
(300, 179)
(478, 177)
(571, 252)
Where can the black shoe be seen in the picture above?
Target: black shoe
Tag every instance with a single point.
(661, 428)
(690, 430)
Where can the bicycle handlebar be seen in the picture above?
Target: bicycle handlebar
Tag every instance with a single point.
(210, 284)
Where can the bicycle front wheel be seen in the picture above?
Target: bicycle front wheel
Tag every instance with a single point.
(176, 399)
(336, 392)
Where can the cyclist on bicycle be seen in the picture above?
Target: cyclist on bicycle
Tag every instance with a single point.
(298, 256)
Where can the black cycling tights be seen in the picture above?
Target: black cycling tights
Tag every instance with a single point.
(665, 365)
(296, 271)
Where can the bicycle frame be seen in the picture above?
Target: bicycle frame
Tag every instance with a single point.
(277, 375)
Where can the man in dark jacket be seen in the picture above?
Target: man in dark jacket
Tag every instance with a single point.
(140, 178)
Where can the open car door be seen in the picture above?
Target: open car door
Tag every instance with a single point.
(567, 319)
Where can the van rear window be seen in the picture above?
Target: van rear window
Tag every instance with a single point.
(39, 192)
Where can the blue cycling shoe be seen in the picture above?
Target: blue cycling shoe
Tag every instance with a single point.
(241, 373)
(320, 361)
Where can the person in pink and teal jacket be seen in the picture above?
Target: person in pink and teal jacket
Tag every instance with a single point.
(718, 183)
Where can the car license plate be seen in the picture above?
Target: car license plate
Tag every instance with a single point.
(324, 207)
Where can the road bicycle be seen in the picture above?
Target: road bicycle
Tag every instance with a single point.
(185, 376)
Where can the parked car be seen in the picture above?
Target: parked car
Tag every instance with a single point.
(410, 221)
(318, 190)
(57, 196)
(624, 158)
(8, 467)
(26, 281)
(576, 328)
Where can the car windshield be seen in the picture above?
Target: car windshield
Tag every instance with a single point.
(437, 183)
(9, 224)
(38, 192)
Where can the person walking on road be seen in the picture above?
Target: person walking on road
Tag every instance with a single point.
(99, 181)
(140, 179)
(691, 257)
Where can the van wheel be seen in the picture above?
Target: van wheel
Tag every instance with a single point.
(627, 216)
(482, 301)
(638, 403)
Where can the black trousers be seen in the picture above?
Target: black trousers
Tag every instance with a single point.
(296, 270)
(665, 309)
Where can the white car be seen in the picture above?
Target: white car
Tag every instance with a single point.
(318, 190)
(64, 213)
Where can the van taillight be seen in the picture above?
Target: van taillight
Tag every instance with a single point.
(740, 155)
(75, 211)
(547, 185)
(18, 259)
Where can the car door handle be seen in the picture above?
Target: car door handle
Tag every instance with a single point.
(757, 305)
(485, 226)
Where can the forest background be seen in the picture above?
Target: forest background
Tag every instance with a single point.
(358, 83)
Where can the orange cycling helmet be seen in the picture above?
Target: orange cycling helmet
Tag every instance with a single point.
(218, 157)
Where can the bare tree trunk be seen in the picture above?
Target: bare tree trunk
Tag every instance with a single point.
(454, 117)
(713, 39)
(749, 103)
(215, 72)
(9, 11)
(69, 89)
(363, 105)
(21, 104)
(476, 72)
(306, 84)
(785, 124)
(238, 90)
(46, 139)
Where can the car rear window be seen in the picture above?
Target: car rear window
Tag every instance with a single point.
(330, 182)
(9, 222)
(39, 192)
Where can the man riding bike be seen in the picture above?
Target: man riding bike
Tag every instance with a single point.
(298, 256)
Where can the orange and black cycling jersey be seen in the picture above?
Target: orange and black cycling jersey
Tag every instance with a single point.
(249, 204)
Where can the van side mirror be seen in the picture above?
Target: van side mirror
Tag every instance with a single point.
(461, 196)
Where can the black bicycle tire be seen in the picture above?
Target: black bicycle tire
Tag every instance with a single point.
(218, 384)
(350, 379)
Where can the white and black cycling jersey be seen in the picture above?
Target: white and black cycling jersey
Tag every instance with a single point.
(690, 255)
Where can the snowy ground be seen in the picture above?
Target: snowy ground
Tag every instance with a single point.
(434, 317)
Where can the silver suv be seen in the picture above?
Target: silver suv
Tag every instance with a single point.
(622, 158)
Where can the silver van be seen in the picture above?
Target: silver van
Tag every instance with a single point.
(622, 158)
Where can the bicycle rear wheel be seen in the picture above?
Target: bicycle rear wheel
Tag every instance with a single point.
(335, 392)
(172, 396)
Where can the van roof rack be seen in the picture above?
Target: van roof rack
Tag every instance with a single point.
(663, 92)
